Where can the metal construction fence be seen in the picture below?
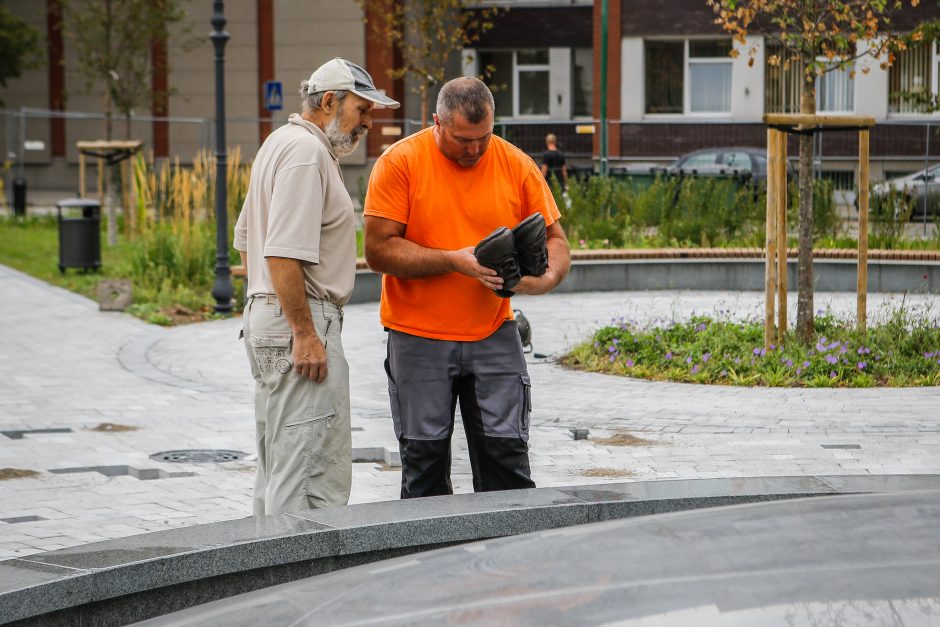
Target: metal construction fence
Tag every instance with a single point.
(898, 146)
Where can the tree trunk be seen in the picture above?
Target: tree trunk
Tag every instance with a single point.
(424, 106)
(108, 124)
(804, 311)
(108, 28)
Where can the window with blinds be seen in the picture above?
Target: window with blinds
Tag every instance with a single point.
(781, 85)
(835, 89)
(911, 74)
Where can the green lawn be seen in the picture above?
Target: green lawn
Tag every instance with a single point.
(32, 246)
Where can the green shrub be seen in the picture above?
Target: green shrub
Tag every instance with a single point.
(888, 214)
(680, 211)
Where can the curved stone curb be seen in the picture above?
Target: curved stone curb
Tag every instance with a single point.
(139, 577)
(597, 272)
(747, 253)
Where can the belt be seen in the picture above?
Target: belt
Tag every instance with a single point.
(272, 299)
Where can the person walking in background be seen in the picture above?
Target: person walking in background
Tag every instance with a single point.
(451, 339)
(297, 237)
(553, 162)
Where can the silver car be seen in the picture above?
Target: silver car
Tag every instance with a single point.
(918, 192)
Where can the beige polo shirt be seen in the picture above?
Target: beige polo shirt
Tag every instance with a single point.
(297, 207)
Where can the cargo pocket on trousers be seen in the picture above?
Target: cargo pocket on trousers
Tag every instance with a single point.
(312, 432)
(526, 407)
(272, 352)
(393, 402)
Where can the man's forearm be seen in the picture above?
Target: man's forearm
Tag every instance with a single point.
(287, 275)
(405, 259)
(559, 260)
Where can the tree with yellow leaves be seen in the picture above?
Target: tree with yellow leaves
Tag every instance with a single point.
(816, 37)
(427, 33)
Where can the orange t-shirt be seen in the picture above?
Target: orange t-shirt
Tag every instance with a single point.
(448, 207)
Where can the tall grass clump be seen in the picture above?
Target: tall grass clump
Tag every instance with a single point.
(174, 231)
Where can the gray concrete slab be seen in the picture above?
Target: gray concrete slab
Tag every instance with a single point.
(67, 365)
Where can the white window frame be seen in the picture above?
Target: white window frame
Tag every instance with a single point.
(687, 61)
(517, 68)
(852, 83)
(687, 80)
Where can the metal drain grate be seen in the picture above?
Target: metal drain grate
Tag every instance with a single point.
(206, 456)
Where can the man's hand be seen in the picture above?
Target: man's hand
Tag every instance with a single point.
(464, 262)
(534, 285)
(309, 356)
(309, 353)
(559, 262)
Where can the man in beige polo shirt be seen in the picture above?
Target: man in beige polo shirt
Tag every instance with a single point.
(297, 237)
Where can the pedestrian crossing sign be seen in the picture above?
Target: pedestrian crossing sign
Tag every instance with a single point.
(273, 96)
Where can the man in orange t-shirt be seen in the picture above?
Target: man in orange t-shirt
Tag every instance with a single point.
(433, 196)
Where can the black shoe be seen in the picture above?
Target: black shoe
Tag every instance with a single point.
(531, 247)
(498, 252)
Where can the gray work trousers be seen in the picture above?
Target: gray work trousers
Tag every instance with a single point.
(303, 431)
(427, 379)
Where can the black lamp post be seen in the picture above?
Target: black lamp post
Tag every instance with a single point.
(222, 289)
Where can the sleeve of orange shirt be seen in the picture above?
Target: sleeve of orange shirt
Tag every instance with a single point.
(387, 195)
(538, 196)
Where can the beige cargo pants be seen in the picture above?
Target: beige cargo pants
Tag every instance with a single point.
(303, 430)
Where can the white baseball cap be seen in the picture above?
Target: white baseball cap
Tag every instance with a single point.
(342, 74)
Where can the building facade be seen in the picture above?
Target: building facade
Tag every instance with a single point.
(672, 86)
(675, 88)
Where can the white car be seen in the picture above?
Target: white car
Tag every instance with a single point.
(922, 188)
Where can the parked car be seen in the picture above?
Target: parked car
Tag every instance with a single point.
(748, 162)
(918, 192)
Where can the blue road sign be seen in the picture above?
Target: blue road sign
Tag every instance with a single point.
(273, 96)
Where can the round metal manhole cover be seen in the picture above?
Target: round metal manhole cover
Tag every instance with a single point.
(199, 456)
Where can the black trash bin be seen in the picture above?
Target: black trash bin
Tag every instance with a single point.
(19, 196)
(79, 235)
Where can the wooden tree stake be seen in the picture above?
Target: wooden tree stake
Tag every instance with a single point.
(771, 253)
(781, 202)
(863, 176)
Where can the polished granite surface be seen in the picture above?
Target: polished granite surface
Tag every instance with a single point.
(850, 559)
(337, 537)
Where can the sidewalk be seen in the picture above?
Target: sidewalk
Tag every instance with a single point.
(68, 367)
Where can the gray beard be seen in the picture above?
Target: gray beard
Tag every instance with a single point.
(343, 143)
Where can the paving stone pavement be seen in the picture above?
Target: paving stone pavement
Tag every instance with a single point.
(68, 368)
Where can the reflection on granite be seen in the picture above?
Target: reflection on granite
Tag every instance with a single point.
(22, 573)
(700, 488)
(436, 507)
(880, 483)
(142, 576)
(823, 561)
(150, 546)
